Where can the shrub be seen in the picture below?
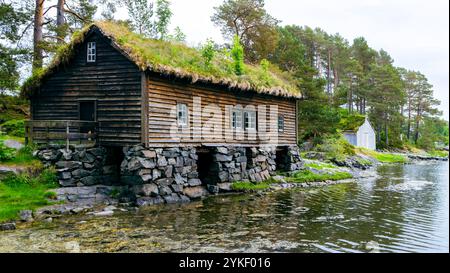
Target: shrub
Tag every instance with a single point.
(6, 153)
(208, 52)
(336, 148)
(14, 127)
(237, 53)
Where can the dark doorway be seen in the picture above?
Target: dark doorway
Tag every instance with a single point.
(87, 112)
(207, 169)
(282, 159)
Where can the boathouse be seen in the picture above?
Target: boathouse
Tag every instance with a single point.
(150, 112)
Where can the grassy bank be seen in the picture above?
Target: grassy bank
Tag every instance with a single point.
(308, 176)
(383, 157)
(25, 192)
(303, 176)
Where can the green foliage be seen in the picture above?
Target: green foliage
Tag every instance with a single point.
(308, 176)
(248, 20)
(6, 153)
(336, 148)
(237, 53)
(350, 121)
(140, 13)
(249, 187)
(163, 16)
(24, 157)
(208, 52)
(383, 157)
(317, 120)
(24, 192)
(175, 59)
(265, 65)
(14, 127)
(11, 20)
(319, 165)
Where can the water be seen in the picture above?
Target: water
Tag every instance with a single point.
(403, 209)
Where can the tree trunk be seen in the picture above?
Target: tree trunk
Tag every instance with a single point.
(329, 73)
(60, 21)
(386, 131)
(409, 120)
(37, 35)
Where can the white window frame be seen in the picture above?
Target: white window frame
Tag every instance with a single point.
(237, 119)
(91, 52)
(182, 115)
(280, 123)
(250, 120)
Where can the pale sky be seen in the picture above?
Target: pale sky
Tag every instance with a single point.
(414, 32)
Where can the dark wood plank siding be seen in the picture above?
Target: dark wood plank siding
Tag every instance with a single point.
(113, 81)
(163, 95)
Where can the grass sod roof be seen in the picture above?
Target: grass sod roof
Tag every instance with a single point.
(173, 59)
(350, 122)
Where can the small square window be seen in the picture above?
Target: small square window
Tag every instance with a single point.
(250, 120)
(236, 119)
(91, 52)
(280, 123)
(182, 114)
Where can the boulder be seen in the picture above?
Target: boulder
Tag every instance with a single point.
(194, 182)
(223, 158)
(164, 190)
(172, 198)
(149, 154)
(195, 192)
(164, 181)
(26, 215)
(148, 190)
(222, 150)
(7, 226)
(162, 161)
(149, 201)
(89, 180)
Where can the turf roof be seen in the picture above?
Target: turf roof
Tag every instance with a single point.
(174, 59)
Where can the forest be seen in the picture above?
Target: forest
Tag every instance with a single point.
(340, 80)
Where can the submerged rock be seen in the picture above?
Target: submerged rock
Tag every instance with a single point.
(7, 226)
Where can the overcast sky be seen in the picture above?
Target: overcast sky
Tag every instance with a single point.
(414, 32)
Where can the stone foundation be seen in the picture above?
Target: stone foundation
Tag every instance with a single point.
(150, 176)
(79, 167)
(162, 175)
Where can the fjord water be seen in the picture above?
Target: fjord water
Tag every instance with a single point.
(403, 209)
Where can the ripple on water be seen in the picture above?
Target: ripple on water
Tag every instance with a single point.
(403, 209)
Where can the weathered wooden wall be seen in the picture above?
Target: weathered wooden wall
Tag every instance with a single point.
(163, 95)
(114, 81)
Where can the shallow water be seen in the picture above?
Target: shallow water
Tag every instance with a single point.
(403, 209)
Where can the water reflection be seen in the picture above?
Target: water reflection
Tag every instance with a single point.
(404, 209)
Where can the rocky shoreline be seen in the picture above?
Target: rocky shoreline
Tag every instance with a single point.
(103, 200)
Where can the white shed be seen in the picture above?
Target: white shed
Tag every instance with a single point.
(363, 136)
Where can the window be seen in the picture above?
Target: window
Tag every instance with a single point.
(280, 123)
(236, 119)
(91, 52)
(182, 116)
(250, 120)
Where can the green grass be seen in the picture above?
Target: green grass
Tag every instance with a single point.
(320, 165)
(308, 176)
(23, 192)
(437, 153)
(249, 186)
(175, 59)
(16, 138)
(384, 157)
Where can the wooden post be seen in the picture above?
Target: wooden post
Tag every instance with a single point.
(67, 137)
